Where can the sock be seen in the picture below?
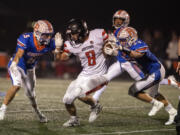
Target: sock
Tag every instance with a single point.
(73, 117)
(153, 100)
(98, 93)
(169, 108)
(3, 107)
(165, 82)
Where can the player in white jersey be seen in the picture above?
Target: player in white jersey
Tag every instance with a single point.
(87, 46)
(21, 67)
(129, 35)
(121, 20)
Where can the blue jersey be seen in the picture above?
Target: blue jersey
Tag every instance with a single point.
(32, 51)
(148, 61)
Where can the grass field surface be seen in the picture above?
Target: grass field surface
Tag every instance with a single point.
(121, 115)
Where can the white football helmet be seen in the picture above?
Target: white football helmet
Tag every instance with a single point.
(127, 36)
(121, 14)
(43, 31)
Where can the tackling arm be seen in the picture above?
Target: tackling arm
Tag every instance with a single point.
(131, 53)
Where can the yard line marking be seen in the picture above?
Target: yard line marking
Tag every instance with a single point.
(50, 110)
(131, 132)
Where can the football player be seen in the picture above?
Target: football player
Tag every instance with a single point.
(87, 46)
(121, 19)
(132, 48)
(30, 47)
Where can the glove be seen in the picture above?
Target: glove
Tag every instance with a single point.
(14, 68)
(58, 41)
(108, 51)
(110, 48)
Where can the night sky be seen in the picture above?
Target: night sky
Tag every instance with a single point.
(157, 14)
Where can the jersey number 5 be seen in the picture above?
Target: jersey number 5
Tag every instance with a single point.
(91, 58)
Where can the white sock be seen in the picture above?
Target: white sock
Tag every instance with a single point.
(73, 117)
(164, 82)
(153, 100)
(3, 107)
(98, 93)
(169, 108)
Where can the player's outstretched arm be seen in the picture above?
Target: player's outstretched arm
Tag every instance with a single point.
(59, 54)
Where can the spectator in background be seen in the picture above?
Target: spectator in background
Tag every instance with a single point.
(172, 53)
(158, 45)
(147, 37)
(177, 118)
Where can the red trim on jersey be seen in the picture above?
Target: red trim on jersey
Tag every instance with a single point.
(20, 43)
(67, 51)
(38, 47)
(142, 49)
(105, 35)
(65, 45)
(104, 32)
(95, 89)
(105, 38)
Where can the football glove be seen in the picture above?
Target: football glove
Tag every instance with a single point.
(110, 48)
(58, 41)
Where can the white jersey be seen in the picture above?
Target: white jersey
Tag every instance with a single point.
(90, 53)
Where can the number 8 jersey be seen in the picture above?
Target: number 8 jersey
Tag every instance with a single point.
(90, 52)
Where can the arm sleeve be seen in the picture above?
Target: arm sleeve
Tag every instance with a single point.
(142, 48)
(66, 49)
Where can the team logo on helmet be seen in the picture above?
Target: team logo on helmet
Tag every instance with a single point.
(43, 31)
(127, 36)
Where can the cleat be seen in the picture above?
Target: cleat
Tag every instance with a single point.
(173, 82)
(95, 112)
(43, 119)
(172, 115)
(2, 113)
(156, 107)
(72, 122)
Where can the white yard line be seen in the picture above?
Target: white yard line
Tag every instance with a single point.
(131, 132)
(51, 110)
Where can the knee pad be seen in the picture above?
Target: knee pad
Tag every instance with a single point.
(133, 91)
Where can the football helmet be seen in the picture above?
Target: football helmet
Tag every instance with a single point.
(76, 31)
(43, 31)
(127, 36)
(124, 16)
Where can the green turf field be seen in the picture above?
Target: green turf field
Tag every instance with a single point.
(121, 114)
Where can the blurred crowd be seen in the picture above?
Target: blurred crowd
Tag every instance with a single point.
(164, 47)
